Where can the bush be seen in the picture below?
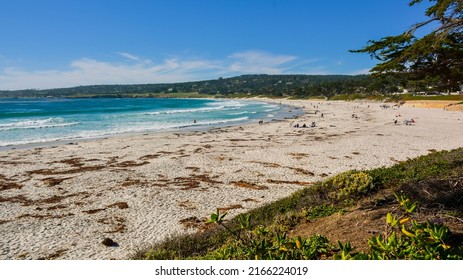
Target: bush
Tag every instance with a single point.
(405, 238)
(349, 184)
(437, 165)
(261, 243)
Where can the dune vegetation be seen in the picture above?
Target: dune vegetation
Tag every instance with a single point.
(413, 211)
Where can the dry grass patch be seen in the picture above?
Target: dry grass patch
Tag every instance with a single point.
(120, 205)
(252, 186)
(52, 181)
(55, 255)
(231, 207)
(148, 157)
(193, 181)
(302, 171)
(193, 168)
(117, 224)
(267, 164)
(47, 216)
(130, 163)
(191, 222)
(94, 211)
(188, 205)
(289, 182)
(75, 162)
(69, 171)
(8, 184)
(250, 200)
(299, 155)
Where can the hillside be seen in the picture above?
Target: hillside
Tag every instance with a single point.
(269, 85)
(340, 219)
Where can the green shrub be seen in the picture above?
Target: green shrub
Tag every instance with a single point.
(436, 165)
(267, 245)
(288, 221)
(319, 211)
(405, 238)
(261, 243)
(349, 184)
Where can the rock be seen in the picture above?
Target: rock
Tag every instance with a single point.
(109, 242)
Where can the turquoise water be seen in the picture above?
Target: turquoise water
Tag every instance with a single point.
(25, 121)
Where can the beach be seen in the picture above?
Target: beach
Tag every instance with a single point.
(446, 105)
(61, 201)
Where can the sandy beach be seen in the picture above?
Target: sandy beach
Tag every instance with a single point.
(449, 105)
(62, 201)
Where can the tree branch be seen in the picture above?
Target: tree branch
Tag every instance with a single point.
(415, 27)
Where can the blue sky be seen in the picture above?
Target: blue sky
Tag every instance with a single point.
(64, 43)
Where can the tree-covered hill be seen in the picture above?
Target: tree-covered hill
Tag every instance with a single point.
(268, 85)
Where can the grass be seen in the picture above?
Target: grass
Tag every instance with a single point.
(394, 98)
(432, 97)
(337, 97)
(429, 180)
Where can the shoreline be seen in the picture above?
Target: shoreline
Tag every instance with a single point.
(280, 115)
(60, 202)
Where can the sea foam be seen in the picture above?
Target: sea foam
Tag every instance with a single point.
(42, 120)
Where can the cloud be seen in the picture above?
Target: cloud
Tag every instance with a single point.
(134, 58)
(132, 69)
(258, 62)
(90, 72)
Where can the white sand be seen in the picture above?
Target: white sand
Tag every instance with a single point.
(164, 178)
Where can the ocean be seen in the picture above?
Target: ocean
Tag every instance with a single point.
(27, 121)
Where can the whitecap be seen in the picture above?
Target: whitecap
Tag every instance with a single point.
(183, 111)
(36, 124)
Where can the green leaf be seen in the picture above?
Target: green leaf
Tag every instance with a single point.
(389, 218)
(412, 208)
